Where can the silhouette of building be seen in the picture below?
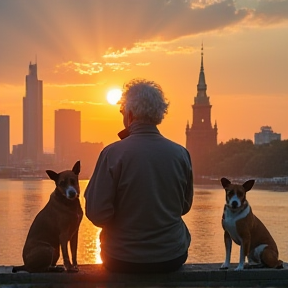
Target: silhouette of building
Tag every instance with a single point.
(201, 137)
(4, 140)
(17, 154)
(68, 147)
(33, 117)
(266, 136)
(67, 134)
(88, 154)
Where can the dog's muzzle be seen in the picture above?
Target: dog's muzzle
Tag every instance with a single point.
(234, 202)
(71, 192)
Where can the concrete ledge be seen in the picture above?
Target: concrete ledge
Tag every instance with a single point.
(190, 275)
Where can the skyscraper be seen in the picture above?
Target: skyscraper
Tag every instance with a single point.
(4, 140)
(201, 138)
(33, 117)
(67, 134)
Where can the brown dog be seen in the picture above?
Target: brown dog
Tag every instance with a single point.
(246, 230)
(54, 226)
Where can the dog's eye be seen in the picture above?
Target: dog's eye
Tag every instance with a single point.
(240, 194)
(230, 193)
(62, 183)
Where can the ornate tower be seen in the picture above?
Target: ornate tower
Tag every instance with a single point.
(201, 137)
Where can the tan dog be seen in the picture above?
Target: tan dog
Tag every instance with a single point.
(54, 226)
(246, 230)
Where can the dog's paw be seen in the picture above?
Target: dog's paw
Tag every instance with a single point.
(224, 266)
(239, 268)
(280, 265)
(72, 269)
(57, 269)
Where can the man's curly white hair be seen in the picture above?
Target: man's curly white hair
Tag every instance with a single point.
(145, 99)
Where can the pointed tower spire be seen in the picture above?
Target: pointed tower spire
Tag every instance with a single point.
(202, 87)
(202, 67)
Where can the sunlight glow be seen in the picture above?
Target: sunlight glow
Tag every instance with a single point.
(114, 95)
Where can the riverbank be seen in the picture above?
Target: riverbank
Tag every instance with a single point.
(279, 184)
(190, 275)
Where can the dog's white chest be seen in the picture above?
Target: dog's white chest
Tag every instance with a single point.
(229, 222)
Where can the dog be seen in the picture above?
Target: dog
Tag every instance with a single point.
(54, 226)
(245, 229)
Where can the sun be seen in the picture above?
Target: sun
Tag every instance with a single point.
(114, 95)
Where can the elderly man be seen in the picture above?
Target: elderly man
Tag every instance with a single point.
(141, 187)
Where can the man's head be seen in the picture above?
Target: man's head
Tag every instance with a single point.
(143, 101)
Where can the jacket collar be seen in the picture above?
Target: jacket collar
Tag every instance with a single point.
(138, 128)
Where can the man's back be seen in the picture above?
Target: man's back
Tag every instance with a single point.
(150, 175)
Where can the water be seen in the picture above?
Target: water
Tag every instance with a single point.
(20, 201)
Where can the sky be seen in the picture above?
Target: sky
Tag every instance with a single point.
(85, 48)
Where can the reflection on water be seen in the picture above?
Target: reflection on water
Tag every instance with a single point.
(20, 201)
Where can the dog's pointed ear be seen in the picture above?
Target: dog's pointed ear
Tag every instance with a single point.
(248, 185)
(52, 175)
(225, 182)
(76, 168)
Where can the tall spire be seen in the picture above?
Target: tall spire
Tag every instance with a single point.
(202, 67)
(201, 87)
(201, 83)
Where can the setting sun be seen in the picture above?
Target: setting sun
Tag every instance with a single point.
(114, 95)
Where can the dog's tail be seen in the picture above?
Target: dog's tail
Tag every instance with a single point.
(16, 269)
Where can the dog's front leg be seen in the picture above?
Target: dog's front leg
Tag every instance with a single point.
(228, 247)
(73, 247)
(64, 248)
(241, 258)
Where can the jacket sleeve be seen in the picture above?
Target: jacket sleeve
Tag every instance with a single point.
(100, 193)
(189, 193)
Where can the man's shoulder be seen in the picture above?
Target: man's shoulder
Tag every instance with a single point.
(111, 146)
(175, 144)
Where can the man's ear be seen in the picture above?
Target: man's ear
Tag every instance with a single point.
(130, 118)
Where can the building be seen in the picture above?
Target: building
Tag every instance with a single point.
(201, 137)
(68, 146)
(266, 136)
(88, 154)
(33, 117)
(4, 140)
(17, 154)
(67, 135)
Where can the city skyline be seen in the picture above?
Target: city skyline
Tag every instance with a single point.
(82, 54)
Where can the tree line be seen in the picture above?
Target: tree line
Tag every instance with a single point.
(238, 158)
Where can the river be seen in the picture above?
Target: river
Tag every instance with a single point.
(20, 201)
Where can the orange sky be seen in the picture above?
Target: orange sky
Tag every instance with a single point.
(84, 48)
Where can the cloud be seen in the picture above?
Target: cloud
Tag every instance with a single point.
(81, 68)
(118, 66)
(143, 64)
(119, 24)
(90, 68)
(269, 11)
(73, 35)
(70, 85)
(73, 102)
